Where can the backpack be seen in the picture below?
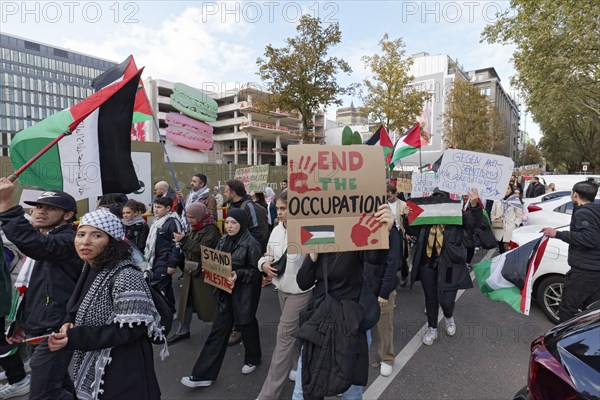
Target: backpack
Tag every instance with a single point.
(263, 223)
(162, 306)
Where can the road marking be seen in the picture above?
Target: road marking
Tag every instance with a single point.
(380, 384)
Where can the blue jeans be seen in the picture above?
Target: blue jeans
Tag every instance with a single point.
(354, 392)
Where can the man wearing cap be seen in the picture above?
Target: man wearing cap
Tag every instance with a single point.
(50, 278)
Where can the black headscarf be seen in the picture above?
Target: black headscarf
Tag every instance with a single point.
(242, 218)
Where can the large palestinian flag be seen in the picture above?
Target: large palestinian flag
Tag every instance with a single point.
(95, 156)
(434, 211)
(408, 144)
(381, 138)
(508, 277)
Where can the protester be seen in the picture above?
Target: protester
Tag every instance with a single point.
(48, 275)
(10, 359)
(240, 306)
(282, 268)
(344, 284)
(195, 295)
(440, 264)
(398, 206)
(535, 188)
(381, 280)
(581, 283)
(136, 228)
(515, 182)
(236, 196)
(551, 187)
(216, 192)
(271, 208)
(507, 214)
(160, 245)
(113, 202)
(111, 317)
(284, 185)
(162, 189)
(200, 192)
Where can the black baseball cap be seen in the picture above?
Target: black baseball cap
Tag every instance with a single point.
(56, 198)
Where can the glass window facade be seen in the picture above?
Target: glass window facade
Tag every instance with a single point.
(37, 80)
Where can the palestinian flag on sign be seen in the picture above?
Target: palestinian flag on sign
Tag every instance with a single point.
(508, 277)
(95, 156)
(381, 138)
(434, 211)
(317, 234)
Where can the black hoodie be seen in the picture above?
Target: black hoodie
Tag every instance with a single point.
(584, 238)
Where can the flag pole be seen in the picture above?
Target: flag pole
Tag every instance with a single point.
(13, 177)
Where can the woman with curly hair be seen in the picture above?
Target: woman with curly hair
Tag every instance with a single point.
(111, 316)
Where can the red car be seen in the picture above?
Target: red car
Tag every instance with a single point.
(565, 361)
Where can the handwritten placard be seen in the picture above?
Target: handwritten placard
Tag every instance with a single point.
(423, 183)
(217, 268)
(462, 170)
(404, 184)
(333, 194)
(254, 178)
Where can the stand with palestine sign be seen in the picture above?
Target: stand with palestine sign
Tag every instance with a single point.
(217, 268)
(333, 193)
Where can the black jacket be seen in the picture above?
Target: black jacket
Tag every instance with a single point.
(258, 225)
(452, 260)
(246, 291)
(163, 253)
(584, 238)
(54, 275)
(382, 279)
(138, 234)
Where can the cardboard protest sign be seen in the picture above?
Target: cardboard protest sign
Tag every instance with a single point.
(217, 268)
(404, 184)
(462, 170)
(333, 193)
(434, 211)
(254, 178)
(533, 169)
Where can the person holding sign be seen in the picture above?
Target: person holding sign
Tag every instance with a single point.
(506, 216)
(196, 295)
(440, 263)
(239, 307)
(344, 271)
(283, 268)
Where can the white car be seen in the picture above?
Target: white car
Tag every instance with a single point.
(546, 197)
(549, 278)
(551, 213)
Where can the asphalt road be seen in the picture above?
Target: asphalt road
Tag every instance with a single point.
(486, 359)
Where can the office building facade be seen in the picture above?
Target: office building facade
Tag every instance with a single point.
(38, 80)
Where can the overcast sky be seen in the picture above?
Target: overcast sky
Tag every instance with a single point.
(215, 44)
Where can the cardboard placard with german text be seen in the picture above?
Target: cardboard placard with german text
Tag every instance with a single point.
(255, 178)
(462, 170)
(404, 185)
(217, 268)
(333, 194)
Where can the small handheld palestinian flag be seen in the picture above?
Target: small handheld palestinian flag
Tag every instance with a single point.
(508, 277)
(317, 234)
(434, 211)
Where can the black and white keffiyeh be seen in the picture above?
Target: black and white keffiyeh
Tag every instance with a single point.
(105, 221)
(128, 302)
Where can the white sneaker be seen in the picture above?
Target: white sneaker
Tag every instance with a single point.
(248, 368)
(450, 326)
(192, 382)
(292, 375)
(430, 336)
(16, 389)
(27, 370)
(385, 369)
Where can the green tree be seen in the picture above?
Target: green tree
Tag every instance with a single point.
(388, 96)
(301, 76)
(531, 155)
(471, 122)
(557, 59)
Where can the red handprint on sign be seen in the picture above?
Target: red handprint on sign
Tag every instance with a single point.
(360, 233)
(299, 179)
